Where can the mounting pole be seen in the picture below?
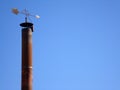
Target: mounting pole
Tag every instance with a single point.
(26, 19)
(26, 82)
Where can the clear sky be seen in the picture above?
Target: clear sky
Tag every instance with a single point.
(76, 44)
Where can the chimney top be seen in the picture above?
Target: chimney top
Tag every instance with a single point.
(27, 25)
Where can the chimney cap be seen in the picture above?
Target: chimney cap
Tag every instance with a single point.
(26, 24)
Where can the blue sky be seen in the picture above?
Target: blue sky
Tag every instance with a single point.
(76, 44)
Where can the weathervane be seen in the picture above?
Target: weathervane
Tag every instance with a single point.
(25, 12)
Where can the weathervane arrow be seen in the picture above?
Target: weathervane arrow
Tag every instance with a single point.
(25, 12)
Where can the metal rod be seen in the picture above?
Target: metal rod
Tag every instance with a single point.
(26, 19)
